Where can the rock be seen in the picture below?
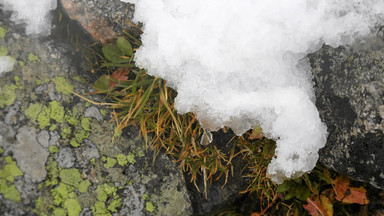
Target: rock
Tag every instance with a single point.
(103, 19)
(349, 88)
(65, 158)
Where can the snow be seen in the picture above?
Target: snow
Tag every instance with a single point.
(6, 64)
(33, 13)
(242, 64)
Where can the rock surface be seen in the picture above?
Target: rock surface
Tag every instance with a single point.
(56, 151)
(349, 88)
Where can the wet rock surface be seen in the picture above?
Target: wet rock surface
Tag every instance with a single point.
(57, 156)
(349, 88)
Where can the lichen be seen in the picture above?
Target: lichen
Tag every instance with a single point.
(8, 172)
(3, 51)
(56, 111)
(33, 58)
(99, 208)
(53, 149)
(59, 212)
(86, 123)
(131, 158)
(108, 162)
(7, 95)
(103, 112)
(44, 117)
(1, 150)
(70, 176)
(122, 160)
(64, 82)
(83, 186)
(3, 32)
(150, 207)
(65, 132)
(72, 206)
(53, 172)
(114, 205)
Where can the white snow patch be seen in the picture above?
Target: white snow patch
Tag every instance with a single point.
(33, 13)
(235, 63)
(6, 64)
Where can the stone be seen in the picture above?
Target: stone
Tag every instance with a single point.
(65, 158)
(349, 88)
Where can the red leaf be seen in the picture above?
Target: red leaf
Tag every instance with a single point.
(118, 75)
(313, 207)
(349, 195)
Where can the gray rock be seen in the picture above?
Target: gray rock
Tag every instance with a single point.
(29, 154)
(43, 138)
(93, 112)
(349, 88)
(65, 158)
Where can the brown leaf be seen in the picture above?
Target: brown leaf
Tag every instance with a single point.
(257, 133)
(119, 75)
(347, 194)
(326, 205)
(314, 207)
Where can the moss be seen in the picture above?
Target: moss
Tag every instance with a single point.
(109, 162)
(114, 205)
(131, 158)
(86, 123)
(99, 208)
(3, 32)
(70, 176)
(7, 95)
(56, 111)
(73, 207)
(59, 212)
(53, 149)
(65, 83)
(121, 159)
(3, 51)
(65, 132)
(150, 207)
(83, 186)
(33, 58)
(33, 111)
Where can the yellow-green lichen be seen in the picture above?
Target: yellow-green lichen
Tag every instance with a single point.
(33, 111)
(73, 207)
(121, 159)
(3, 51)
(65, 132)
(53, 127)
(83, 186)
(99, 208)
(150, 207)
(70, 176)
(21, 64)
(74, 143)
(7, 95)
(53, 172)
(60, 193)
(59, 212)
(114, 205)
(64, 82)
(108, 162)
(33, 58)
(44, 117)
(103, 112)
(8, 172)
(1, 150)
(86, 123)
(56, 111)
(131, 158)
(53, 149)
(3, 32)
(93, 161)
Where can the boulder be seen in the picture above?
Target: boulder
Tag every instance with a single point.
(349, 88)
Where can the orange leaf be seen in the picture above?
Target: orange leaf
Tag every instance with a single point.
(119, 75)
(326, 205)
(314, 207)
(349, 195)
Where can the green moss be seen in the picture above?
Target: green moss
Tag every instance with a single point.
(53, 149)
(59, 212)
(83, 186)
(59, 88)
(3, 51)
(114, 205)
(33, 58)
(70, 176)
(33, 111)
(7, 95)
(86, 123)
(99, 208)
(121, 159)
(65, 132)
(131, 158)
(109, 162)
(3, 32)
(149, 207)
(56, 111)
(73, 207)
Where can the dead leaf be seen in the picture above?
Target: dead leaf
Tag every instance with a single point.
(314, 207)
(326, 204)
(118, 75)
(347, 194)
(257, 133)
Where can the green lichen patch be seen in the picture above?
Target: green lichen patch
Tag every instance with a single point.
(33, 111)
(53, 149)
(83, 186)
(7, 95)
(106, 196)
(61, 193)
(53, 172)
(103, 112)
(150, 207)
(59, 212)
(33, 58)
(1, 150)
(70, 176)
(56, 111)
(59, 88)
(3, 51)
(122, 160)
(86, 123)
(115, 205)
(99, 208)
(108, 162)
(8, 172)
(3, 32)
(73, 207)
(131, 158)
(21, 64)
(65, 132)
